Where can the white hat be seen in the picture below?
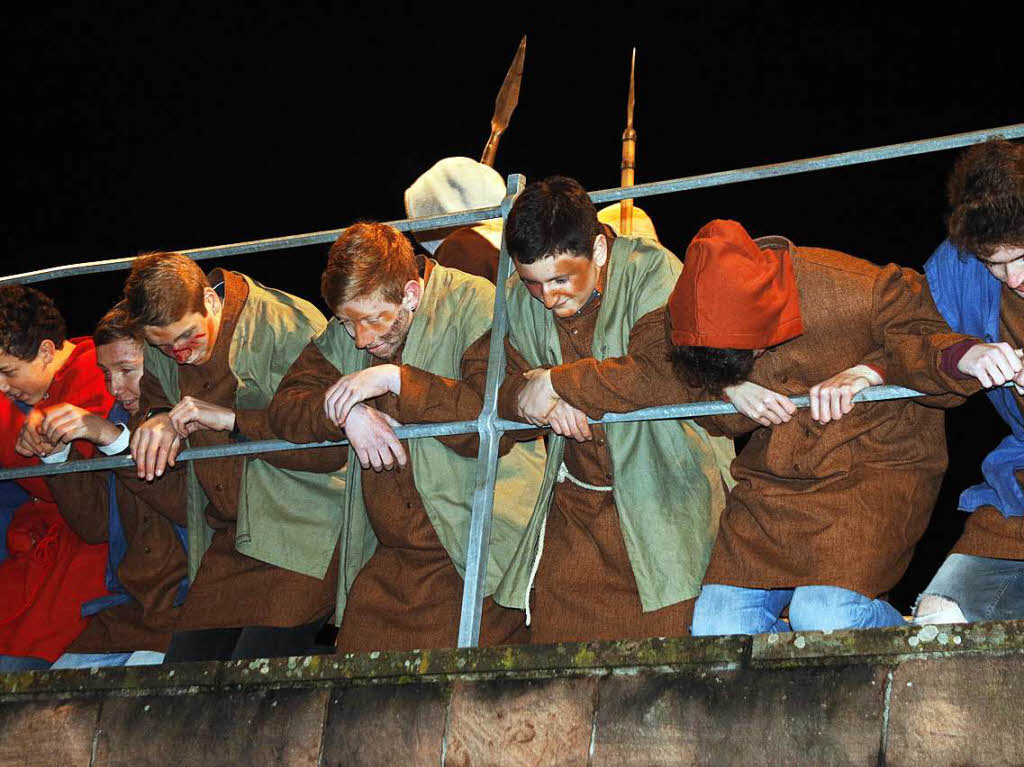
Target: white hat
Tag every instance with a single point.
(642, 224)
(452, 185)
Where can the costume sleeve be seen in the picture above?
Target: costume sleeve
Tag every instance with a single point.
(297, 413)
(508, 395)
(82, 499)
(429, 398)
(642, 378)
(908, 327)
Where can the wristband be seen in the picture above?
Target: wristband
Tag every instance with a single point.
(155, 411)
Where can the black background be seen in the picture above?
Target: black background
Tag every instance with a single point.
(183, 125)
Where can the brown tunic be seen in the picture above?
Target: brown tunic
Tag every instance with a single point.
(153, 565)
(233, 590)
(584, 588)
(470, 252)
(987, 532)
(409, 594)
(839, 504)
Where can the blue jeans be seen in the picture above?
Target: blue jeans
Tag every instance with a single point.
(20, 663)
(985, 589)
(735, 610)
(107, 659)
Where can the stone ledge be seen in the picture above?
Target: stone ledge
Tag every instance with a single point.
(880, 646)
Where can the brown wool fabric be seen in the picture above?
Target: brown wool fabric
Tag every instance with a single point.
(840, 504)
(470, 252)
(732, 294)
(409, 594)
(585, 587)
(233, 590)
(154, 562)
(987, 532)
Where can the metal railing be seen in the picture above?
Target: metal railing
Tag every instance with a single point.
(488, 425)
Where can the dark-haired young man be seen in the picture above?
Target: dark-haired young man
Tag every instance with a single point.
(620, 536)
(49, 572)
(830, 501)
(143, 523)
(266, 582)
(977, 279)
(408, 343)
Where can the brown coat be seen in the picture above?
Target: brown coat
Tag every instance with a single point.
(470, 252)
(153, 565)
(584, 588)
(409, 594)
(840, 504)
(987, 532)
(233, 590)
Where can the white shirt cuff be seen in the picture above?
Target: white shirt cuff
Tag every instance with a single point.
(57, 457)
(120, 444)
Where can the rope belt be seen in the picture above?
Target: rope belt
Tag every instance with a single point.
(565, 474)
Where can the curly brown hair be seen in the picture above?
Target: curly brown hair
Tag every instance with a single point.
(27, 318)
(986, 197)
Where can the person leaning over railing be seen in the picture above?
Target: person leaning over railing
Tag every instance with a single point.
(217, 348)
(830, 501)
(408, 343)
(143, 522)
(977, 279)
(49, 572)
(619, 538)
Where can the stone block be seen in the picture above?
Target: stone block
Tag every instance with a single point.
(815, 716)
(393, 725)
(257, 727)
(511, 723)
(962, 710)
(47, 733)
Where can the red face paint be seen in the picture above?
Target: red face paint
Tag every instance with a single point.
(183, 352)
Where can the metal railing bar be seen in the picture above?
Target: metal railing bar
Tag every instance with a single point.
(254, 246)
(824, 162)
(891, 151)
(419, 431)
(487, 455)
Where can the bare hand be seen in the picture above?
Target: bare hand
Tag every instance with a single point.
(371, 435)
(537, 397)
(155, 445)
(66, 422)
(566, 420)
(993, 364)
(30, 442)
(191, 414)
(349, 390)
(759, 404)
(832, 399)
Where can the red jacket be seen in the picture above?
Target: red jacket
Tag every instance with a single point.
(50, 571)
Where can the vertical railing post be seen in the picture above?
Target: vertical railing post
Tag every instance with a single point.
(490, 436)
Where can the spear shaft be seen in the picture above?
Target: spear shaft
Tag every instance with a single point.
(505, 104)
(628, 166)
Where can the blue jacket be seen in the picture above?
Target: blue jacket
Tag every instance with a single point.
(968, 297)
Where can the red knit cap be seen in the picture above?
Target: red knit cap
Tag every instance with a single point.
(732, 294)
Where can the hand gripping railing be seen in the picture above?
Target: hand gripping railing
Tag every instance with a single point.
(488, 425)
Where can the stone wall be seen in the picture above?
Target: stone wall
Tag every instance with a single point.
(934, 696)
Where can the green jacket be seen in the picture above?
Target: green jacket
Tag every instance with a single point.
(670, 476)
(287, 518)
(455, 311)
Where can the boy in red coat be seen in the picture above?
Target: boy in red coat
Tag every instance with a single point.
(50, 571)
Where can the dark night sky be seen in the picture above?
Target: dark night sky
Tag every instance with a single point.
(183, 125)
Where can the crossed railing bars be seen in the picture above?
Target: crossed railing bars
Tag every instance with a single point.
(487, 424)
